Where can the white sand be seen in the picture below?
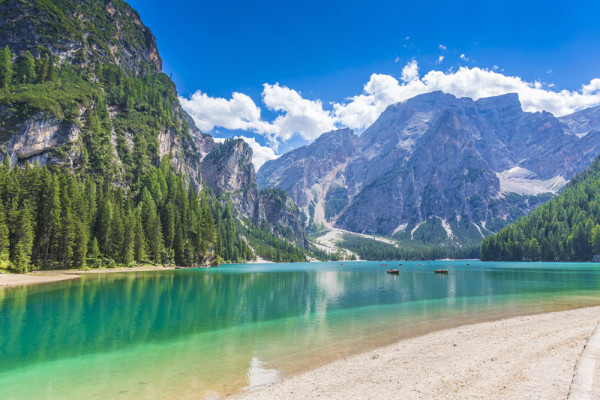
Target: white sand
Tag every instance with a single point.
(12, 280)
(531, 357)
(33, 278)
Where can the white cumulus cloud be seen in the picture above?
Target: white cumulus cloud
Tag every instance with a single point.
(360, 111)
(239, 112)
(410, 72)
(297, 114)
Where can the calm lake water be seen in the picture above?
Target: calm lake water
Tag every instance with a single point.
(209, 332)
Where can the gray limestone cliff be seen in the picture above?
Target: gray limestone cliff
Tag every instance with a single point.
(229, 171)
(437, 168)
(80, 32)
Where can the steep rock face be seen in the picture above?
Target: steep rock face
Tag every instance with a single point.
(87, 36)
(440, 178)
(42, 135)
(46, 139)
(37, 137)
(282, 214)
(472, 166)
(229, 171)
(582, 122)
(80, 32)
(203, 142)
(306, 173)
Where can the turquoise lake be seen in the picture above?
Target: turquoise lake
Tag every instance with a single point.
(209, 332)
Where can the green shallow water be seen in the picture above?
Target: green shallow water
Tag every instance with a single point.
(208, 332)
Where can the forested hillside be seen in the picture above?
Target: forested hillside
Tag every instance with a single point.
(59, 219)
(370, 249)
(567, 228)
(101, 166)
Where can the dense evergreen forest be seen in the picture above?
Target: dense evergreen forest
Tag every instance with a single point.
(567, 228)
(374, 250)
(57, 219)
(272, 247)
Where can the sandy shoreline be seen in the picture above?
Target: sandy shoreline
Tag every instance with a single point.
(39, 277)
(529, 357)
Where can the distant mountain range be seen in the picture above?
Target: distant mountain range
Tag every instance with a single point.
(437, 168)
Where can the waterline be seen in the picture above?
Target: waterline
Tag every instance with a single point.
(186, 334)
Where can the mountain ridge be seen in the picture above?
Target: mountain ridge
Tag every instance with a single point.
(475, 165)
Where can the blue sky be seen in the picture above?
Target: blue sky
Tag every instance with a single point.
(318, 59)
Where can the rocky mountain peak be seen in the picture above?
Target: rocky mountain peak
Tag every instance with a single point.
(507, 99)
(228, 167)
(336, 135)
(229, 172)
(582, 122)
(337, 143)
(80, 33)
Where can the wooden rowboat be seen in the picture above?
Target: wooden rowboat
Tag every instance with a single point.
(440, 271)
(393, 272)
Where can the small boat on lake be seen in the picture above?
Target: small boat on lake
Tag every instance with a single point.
(384, 265)
(393, 272)
(440, 271)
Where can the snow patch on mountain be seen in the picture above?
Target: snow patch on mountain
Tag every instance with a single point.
(522, 181)
(479, 229)
(447, 228)
(400, 228)
(412, 233)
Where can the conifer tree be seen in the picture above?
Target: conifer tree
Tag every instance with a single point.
(4, 242)
(51, 70)
(42, 70)
(117, 234)
(168, 220)
(139, 239)
(21, 256)
(80, 247)
(94, 250)
(155, 240)
(596, 239)
(6, 68)
(104, 221)
(67, 224)
(128, 249)
(49, 221)
(25, 69)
